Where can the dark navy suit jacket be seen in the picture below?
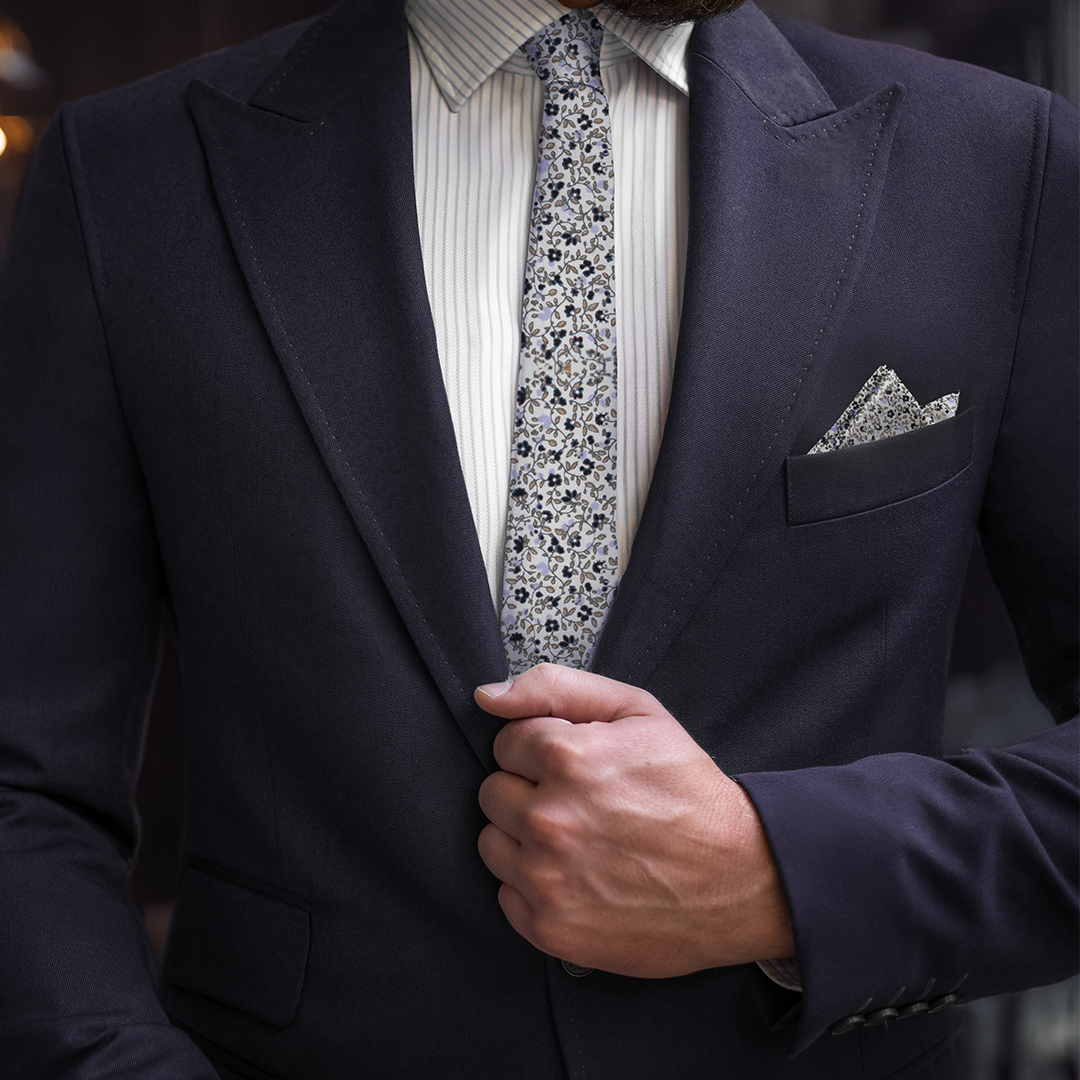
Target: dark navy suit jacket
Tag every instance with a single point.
(220, 397)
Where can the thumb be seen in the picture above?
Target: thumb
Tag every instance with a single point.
(566, 693)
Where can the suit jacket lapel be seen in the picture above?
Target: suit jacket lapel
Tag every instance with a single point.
(314, 180)
(783, 194)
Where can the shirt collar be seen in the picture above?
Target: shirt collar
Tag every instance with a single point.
(465, 41)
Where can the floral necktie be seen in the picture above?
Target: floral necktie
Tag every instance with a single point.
(562, 562)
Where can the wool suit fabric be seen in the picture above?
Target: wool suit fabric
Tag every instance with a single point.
(220, 402)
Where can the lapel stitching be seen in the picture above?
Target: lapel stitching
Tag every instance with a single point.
(359, 488)
(706, 571)
(312, 37)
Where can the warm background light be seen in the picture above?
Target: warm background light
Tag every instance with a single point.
(16, 134)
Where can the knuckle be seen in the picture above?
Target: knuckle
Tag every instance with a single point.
(548, 885)
(642, 700)
(630, 699)
(544, 675)
(550, 826)
(560, 755)
(553, 680)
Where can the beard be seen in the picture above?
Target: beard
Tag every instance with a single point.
(670, 12)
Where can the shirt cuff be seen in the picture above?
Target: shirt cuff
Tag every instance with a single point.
(783, 972)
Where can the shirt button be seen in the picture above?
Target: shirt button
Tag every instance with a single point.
(576, 970)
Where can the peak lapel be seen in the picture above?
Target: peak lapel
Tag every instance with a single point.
(783, 194)
(314, 180)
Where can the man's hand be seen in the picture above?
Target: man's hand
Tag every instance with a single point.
(620, 844)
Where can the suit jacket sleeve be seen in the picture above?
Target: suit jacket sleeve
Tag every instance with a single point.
(909, 876)
(81, 597)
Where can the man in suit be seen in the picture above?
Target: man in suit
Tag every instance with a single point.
(221, 397)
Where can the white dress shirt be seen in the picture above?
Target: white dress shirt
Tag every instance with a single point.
(476, 117)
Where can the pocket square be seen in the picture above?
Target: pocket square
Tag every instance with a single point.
(882, 408)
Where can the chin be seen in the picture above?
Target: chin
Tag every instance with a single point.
(670, 12)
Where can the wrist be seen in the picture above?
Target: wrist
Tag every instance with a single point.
(757, 904)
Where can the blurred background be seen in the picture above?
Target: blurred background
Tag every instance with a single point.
(57, 50)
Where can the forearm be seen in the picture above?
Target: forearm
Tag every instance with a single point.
(905, 872)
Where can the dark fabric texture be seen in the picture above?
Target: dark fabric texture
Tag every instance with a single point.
(256, 958)
(219, 392)
(855, 479)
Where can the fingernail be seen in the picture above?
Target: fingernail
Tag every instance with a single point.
(495, 689)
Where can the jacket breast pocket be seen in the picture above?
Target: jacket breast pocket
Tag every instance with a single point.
(238, 946)
(839, 483)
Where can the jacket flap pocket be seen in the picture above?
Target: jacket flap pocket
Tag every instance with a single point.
(237, 946)
(859, 478)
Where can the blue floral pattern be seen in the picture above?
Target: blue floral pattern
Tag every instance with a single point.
(884, 407)
(562, 564)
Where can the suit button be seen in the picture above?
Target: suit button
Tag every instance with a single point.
(849, 1023)
(914, 1009)
(576, 970)
(943, 1002)
(882, 1016)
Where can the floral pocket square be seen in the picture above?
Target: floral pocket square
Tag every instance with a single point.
(882, 408)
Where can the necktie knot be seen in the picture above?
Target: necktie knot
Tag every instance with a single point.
(567, 50)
